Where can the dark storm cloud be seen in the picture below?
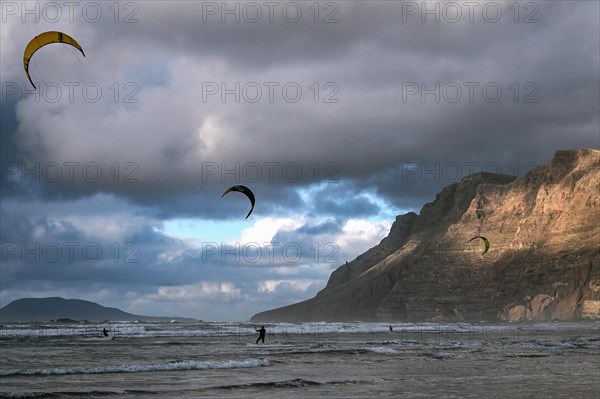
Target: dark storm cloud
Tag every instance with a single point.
(8, 126)
(371, 54)
(330, 226)
(345, 204)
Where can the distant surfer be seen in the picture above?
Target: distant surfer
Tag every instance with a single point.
(261, 334)
(105, 332)
(391, 329)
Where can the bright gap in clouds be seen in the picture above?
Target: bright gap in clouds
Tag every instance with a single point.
(199, 231)
(203, 231)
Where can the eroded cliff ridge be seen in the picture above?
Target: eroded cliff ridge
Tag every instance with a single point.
(543, 263)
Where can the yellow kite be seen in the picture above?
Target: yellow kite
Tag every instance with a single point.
(43, 39)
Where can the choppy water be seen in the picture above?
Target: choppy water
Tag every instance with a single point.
(309, 360)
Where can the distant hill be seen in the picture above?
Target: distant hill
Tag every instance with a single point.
(46, 309)
(543, 262)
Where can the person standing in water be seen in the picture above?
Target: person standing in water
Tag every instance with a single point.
(261, 334)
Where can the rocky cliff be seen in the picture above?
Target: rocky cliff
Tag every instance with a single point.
(543, 262)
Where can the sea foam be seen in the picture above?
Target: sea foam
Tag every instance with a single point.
(137, 368)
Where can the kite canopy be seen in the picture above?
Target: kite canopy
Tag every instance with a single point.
(43, 39)
(244, 190)
(486, 242)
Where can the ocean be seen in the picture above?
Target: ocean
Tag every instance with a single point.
(306, 360)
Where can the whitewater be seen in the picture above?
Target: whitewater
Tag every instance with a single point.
(304, 360)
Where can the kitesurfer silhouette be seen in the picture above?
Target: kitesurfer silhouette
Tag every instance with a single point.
(261, 334)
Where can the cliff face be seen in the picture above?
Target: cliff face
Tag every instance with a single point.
(543, 262)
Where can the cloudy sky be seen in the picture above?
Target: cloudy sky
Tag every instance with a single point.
(338, 115)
